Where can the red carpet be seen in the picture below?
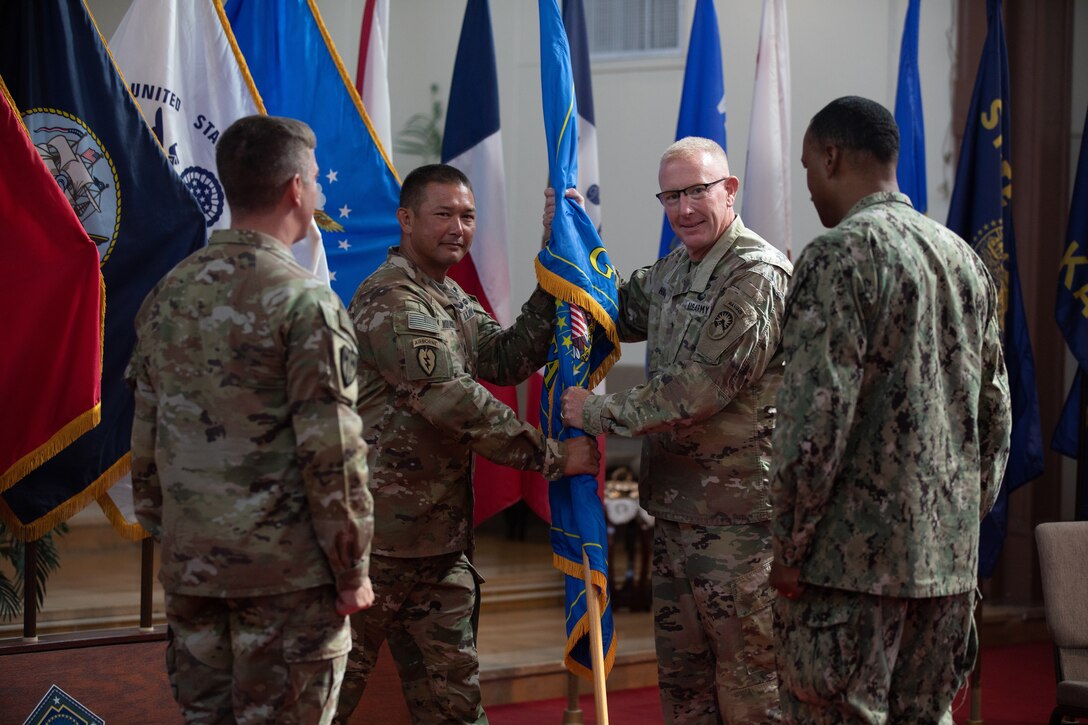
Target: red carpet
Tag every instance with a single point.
(1017, 689)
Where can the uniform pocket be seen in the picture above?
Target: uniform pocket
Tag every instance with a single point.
(752, 591)
(818, 645)
(314, 642)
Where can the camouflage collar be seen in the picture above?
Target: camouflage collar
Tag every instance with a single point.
(397, 259)
(880, 197)
(706, 266)
(251, 238)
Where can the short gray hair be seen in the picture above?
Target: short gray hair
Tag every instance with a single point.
(692, 146)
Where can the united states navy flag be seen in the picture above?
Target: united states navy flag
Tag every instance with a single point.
(298, 73)
(1071, 312)
(575, 268)
(89, 131)
(981, 213)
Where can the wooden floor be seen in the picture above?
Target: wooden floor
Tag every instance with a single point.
(521, 622)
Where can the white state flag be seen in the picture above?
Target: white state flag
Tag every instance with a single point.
(183, 67)
(181, 63)
(373, 85)
(766, 185)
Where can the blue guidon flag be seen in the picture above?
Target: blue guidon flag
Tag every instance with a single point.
(575, 268)
(981, 213)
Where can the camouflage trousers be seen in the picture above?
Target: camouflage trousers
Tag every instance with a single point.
(274, 659)
(859, 658)
(423, 608)
(712, 623)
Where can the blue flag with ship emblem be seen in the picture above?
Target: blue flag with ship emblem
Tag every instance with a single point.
(981, 213)
(1071, 312)
(575, 268)
(299, 74)
(90, 134)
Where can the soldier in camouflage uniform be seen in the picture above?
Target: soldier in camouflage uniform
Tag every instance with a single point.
(892, 439)
(710, 313)
(248, 460)
(423, 345)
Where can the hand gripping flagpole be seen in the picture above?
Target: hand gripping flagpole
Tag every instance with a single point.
(574, 267)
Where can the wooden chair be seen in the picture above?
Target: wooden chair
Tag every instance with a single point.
(1063, 562)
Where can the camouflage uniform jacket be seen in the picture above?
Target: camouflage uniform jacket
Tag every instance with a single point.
(894, 416)
(422, 346)
(248, 460)
(707, 408)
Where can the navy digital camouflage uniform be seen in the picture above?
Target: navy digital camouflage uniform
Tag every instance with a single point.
(892, 439)
(707, 412)
(248, 463)
(423, 345)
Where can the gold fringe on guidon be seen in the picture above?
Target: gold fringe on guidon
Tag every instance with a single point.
(581, 627)
(562, 289)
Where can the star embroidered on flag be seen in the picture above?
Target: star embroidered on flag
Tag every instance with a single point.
(345, 211)
(345, 244)
(331, 176)
(332, 275)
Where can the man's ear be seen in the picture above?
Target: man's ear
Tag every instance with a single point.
(292, 191)
(832, 159)
(732, 186)
(404, 217)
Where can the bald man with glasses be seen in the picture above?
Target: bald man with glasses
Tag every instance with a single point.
(710, 312)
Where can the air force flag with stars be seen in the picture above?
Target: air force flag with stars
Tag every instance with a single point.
(298, 73)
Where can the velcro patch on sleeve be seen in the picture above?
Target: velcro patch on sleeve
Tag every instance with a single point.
(730, 319)
(425, 358)
(421, 322)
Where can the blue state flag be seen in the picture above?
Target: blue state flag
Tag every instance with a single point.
(911, 170)
(299, 74)
(90, 134)
(702, 104)
(1071, 313)
(981, 213)
(575, 268)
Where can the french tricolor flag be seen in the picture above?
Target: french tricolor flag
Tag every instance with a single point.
(473, 143)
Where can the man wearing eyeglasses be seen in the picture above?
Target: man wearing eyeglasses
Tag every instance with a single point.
(710, 312)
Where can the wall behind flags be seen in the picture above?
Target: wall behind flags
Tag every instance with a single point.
(837, 47)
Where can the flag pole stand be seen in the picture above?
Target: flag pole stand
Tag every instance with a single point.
(573, 714)
(975, 716)
(596, 640)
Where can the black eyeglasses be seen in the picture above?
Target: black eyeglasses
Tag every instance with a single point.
(693, 192)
